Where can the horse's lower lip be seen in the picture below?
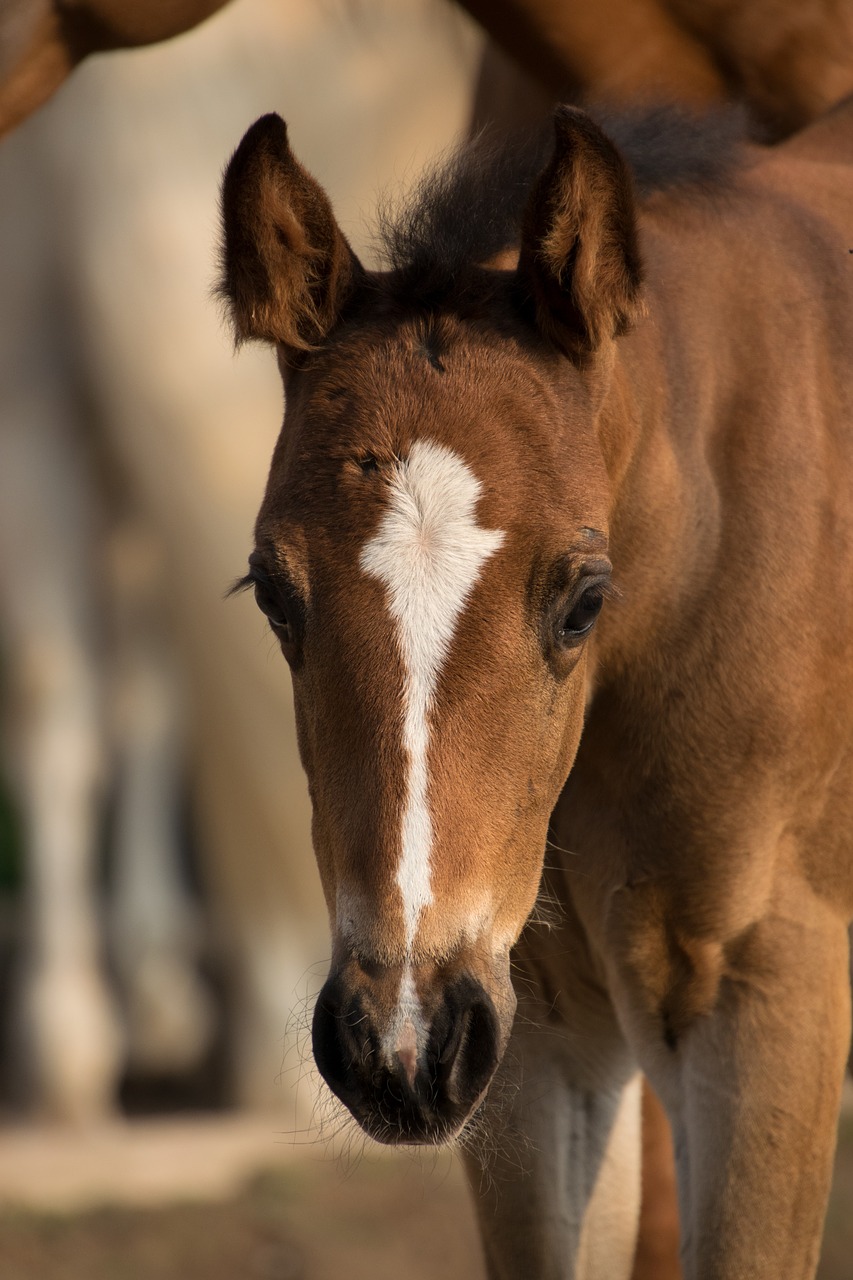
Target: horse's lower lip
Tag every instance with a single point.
(438, 1135)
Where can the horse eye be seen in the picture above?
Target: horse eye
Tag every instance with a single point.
(273, 611)
(583, 613)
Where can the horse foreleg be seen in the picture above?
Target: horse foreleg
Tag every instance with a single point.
(658, 1237)
(69, 1030)
(155, 928)
(554, 1163)
(70, 1036)
(753, 1089)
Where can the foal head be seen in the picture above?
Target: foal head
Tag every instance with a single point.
(431, 553)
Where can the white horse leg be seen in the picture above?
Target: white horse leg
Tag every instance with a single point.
(155, 929)
(70, 1034)
(554, 1160)
(69, 1029)
(48, 617)
(609, 1232)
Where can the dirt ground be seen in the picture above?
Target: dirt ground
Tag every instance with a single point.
(307, 1217)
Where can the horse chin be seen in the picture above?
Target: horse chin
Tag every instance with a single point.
(444, 1132)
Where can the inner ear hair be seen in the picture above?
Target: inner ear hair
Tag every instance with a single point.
(579, 267)
(287, 270)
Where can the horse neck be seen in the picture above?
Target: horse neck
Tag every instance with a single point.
(664, 519)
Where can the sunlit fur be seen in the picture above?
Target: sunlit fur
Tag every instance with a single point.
(653, 392)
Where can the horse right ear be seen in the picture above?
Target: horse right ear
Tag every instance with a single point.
(579, 264)
(287, 269)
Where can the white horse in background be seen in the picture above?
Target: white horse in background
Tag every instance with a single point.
(125, 670)
(95, 717)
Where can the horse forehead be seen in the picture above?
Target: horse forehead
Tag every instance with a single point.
(429, 546)
(440, 378)
(386, 439)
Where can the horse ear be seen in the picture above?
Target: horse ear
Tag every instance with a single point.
(287, 269)
(580, 263)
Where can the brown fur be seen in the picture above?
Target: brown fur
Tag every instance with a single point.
(786, 61)
(658, 1233)
(288, 268)
(789, 59)
(42, 41)
(700, 847)
(580, 259)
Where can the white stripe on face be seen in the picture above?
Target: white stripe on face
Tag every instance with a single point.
(407, 1033)
(428, 551)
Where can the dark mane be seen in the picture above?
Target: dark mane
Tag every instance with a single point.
(669, 147)
(466, 210)
(471, 208)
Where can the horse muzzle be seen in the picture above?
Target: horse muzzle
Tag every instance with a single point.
(411, 1055)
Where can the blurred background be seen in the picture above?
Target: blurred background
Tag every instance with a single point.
(162, 930)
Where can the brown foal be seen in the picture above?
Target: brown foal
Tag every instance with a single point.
(558, 544)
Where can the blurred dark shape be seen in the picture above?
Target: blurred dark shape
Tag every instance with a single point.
(41, 41)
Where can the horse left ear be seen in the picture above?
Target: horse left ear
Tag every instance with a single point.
(287, 269)
(580, 262)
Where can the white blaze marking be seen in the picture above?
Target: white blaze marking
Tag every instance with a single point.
(407, 1028)
(428, 551)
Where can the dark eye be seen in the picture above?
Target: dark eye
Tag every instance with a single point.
(578, 616)
(273, 610)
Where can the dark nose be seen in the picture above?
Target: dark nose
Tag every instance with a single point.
(396, 1100)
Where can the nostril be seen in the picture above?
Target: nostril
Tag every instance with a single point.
(453, 1039)
(335, 1046)
(467, 1043)
(481, 1044)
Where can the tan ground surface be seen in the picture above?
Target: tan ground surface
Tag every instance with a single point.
(224, 1200)
(229, 1198)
